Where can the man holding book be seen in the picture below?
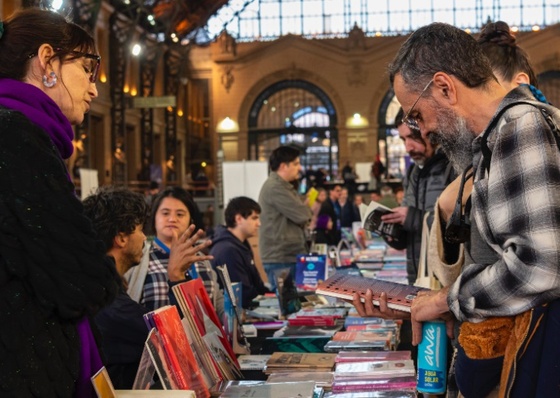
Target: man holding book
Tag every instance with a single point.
(425, 180)
(507, 292)
(230, 247)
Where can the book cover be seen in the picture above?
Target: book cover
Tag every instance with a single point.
(198, 303)
(373, 369)
(340, 345)
(321, 379)
(405, 383)
(271, 390)
(307, 331)
(253, 362)
(184, 366)
(310, 344)
(371, 394)
(301, 360)
(364, 356)
(310, 271)
(155, 349)
(371, 221)
(399, 296)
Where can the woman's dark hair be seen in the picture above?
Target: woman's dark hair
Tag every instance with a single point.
(27, 29)
(498, 44)
(179, 194)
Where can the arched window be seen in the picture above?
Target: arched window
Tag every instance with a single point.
(391, 148)
(295, 112)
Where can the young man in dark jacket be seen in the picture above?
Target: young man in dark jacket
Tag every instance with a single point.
(230, 247)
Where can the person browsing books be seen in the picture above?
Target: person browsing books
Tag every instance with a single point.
(426, 178)
(53, 273)
(230, 247)
(284, 215)
(173, 213)
(118, 216)
(513, 271)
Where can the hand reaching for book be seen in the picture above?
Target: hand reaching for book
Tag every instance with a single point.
(396, 216)
(184, 252)
(367, 309)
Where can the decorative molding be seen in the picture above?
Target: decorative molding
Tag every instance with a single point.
(227, 77)
(356, 76)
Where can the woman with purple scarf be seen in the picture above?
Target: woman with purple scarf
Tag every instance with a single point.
(53, 272)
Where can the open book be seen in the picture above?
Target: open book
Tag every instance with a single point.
(399, 296)
(371, 220)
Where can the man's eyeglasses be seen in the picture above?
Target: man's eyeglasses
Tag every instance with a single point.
(410, 121)
(94, 66)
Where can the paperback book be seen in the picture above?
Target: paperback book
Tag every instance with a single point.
(373, 369)
(399, 296)
(271, 390)
(364, 356)
(371, 221)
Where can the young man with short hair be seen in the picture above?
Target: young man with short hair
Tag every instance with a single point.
(230, 247)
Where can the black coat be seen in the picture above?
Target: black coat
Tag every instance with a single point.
(53, 271)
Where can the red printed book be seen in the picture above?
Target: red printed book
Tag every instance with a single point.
(177, 348)
(399, 296)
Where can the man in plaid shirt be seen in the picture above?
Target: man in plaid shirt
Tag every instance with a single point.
(447, 88)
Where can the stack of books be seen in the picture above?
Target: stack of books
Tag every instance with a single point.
(393, 375)
(287, 362)
(312, 316)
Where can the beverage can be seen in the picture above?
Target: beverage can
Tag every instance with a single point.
(432, 359)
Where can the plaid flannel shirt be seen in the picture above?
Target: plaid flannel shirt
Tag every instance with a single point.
(156, 286)
(516, 207)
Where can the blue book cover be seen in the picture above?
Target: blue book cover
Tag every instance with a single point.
(310, 270)
(229, 310)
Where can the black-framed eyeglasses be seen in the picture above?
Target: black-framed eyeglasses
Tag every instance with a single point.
(410, 121)
(94, 67)
(93, 70)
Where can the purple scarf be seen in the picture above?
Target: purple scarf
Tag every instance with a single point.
(41, 110)
(45, 113)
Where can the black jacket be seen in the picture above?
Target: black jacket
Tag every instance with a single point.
(422, 188)
(53, 272)
(238, 257)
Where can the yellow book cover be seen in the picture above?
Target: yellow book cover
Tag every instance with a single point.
(312, 195)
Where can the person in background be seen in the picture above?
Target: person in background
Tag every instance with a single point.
(284, 215)
(330, 212)
(376, 173)
(316, 206)
(230, 247)
(118, 216)
(53, 272)
(358, 200)
(172, 213)
(388, 197)
(399, 196)
(426, 178)
(349, 176)
(348, 210)
(375, 196)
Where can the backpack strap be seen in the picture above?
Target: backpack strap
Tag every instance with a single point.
(487, 154)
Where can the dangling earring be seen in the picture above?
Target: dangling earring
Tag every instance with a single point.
(48, 83)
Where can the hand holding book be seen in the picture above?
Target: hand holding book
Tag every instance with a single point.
(368, 309)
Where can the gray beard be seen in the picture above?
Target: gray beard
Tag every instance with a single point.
(454, 138)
